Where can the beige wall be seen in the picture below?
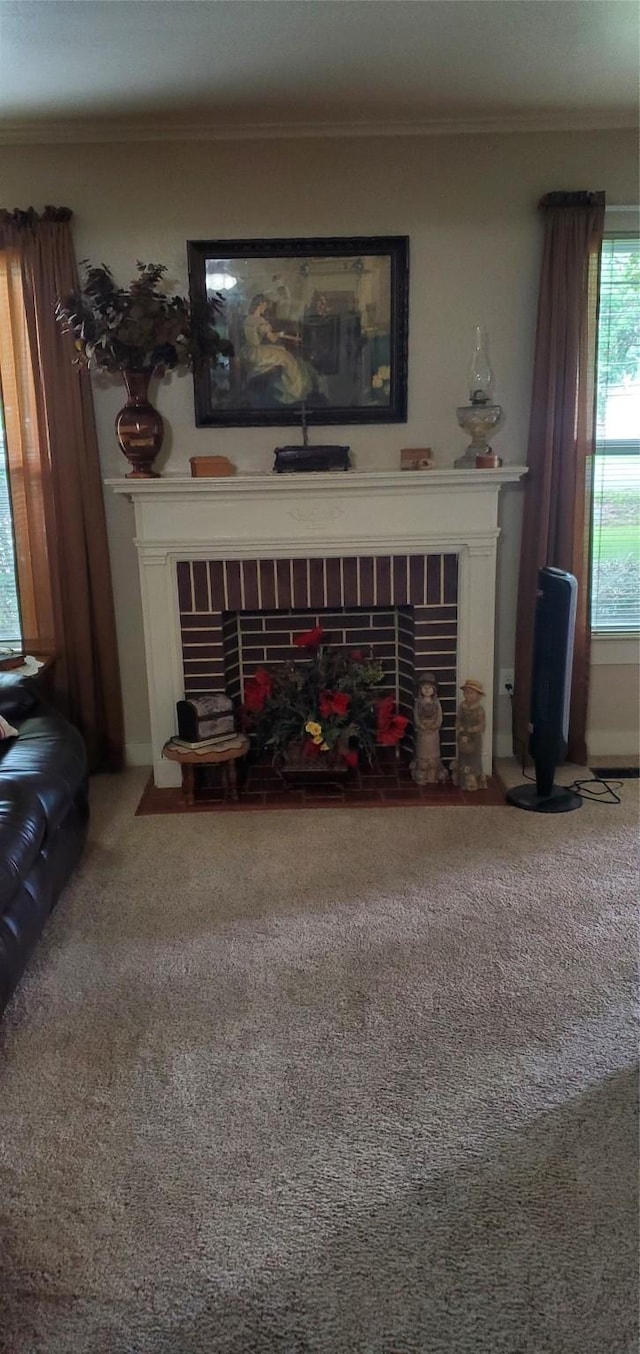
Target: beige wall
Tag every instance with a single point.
(468, 205)
(613, 726)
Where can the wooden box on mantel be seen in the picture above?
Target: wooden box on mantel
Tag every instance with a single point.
(208, 466)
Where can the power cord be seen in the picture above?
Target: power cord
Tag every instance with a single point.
(606, 792)
(607, 787)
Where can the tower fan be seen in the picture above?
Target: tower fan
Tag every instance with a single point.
(550, 693)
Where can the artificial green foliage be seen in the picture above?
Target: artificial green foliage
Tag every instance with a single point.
(140, 328)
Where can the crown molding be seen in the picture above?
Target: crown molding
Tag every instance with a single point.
(91, 130)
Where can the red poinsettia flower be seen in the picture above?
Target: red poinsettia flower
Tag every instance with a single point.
(341, 702)
(391, 726)
(350, 756)
(394, 731)
(385, 709)
(324, 704)
(311, 639)
(257, 690)
(333, 703)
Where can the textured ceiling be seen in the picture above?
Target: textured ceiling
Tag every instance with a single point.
(240, 63)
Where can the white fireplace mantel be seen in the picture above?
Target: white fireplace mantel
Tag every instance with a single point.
(272, 516)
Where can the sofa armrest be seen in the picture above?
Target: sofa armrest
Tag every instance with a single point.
(18, 696)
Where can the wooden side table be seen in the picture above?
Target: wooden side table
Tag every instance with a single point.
(190, 760)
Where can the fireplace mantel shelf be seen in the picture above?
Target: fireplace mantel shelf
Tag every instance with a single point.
(341, 484)
(316, 515)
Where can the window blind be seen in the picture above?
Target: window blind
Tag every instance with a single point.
(615, 581)
(9, 607)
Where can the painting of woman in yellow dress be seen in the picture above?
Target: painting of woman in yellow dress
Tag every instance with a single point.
(265, 352)
(317, 330)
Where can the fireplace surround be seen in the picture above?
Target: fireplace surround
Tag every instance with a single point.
(212, 553)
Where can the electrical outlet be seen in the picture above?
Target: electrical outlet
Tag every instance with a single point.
(505, 685)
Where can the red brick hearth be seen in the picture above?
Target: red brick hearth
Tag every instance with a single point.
(388, 785)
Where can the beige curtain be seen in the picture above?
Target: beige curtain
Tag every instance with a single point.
(557, 512)
(54, 470)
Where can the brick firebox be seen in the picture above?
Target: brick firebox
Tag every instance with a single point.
(237, 615)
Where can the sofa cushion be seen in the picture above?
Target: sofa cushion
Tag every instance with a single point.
(22, 831)
(18, 696)
(49, 762)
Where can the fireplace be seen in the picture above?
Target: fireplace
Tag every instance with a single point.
(223, 561)
(236, 616)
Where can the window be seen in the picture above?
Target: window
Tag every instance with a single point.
(615, 579)
(9, 607)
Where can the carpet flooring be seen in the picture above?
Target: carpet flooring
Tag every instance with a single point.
(327, 1083)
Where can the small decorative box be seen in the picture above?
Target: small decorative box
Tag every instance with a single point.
(8, 661)
(210, 467)
(416, 458)
(205, 717)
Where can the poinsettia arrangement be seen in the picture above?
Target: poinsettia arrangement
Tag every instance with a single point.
(324, 706)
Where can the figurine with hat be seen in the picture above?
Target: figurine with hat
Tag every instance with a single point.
(427, 767)
(466, 770)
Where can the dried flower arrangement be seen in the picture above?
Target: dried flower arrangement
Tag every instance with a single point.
(139, 327)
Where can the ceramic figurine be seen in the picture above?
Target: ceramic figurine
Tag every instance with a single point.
(466, 770)
(427, 767)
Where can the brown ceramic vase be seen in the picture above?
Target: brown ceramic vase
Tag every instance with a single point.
(139, 427)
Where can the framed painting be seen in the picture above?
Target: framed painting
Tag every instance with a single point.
(318, 325)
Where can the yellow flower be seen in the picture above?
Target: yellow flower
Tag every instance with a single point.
(315, 730)
(324, 747)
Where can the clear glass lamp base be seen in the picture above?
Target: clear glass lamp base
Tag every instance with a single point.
(479, 420)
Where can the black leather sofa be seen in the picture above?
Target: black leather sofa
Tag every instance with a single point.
(43, 819)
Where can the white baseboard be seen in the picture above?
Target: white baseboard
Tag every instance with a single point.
(138, 754)
(600, 743)
(503, 745)
(622, 743)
